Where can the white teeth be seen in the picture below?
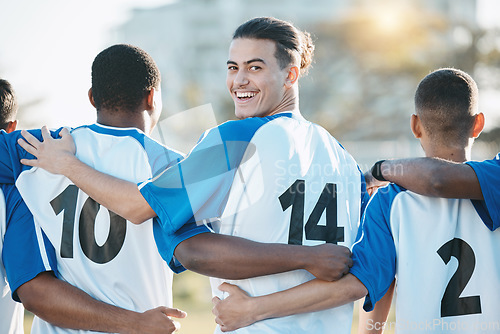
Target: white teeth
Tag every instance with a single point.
(245, 94)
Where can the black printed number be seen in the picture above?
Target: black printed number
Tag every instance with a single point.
(66, 201)
(294, 197)
(451, 303)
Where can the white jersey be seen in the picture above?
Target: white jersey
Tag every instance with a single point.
(98, 251)
(276, 179)
(444, 257)
(11, 313)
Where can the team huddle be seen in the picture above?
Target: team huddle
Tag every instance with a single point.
(95, 220)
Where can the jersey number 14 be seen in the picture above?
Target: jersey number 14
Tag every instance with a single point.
(294, 196)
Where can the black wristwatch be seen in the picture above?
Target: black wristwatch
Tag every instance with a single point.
(377, 172)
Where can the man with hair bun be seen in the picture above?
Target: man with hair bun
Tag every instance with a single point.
(412, 238)
(256, 177)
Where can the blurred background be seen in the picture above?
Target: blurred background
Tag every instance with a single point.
(370, 55)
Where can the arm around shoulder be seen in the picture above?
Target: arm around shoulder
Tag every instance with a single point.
(433, 177)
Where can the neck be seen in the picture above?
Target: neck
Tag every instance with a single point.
(456, 154)
(121, 119)
(289, 102)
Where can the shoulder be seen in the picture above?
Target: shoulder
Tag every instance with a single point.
(244, 129)
(486, 164)
(384, 197)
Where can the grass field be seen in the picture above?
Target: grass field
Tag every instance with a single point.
(192, 294)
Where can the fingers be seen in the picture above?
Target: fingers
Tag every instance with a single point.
(219, 322)
(229, 288)
(177, 325)
(32, 140)
(45, 133)
(173, 312)
(28, 147)
(215, 302)
(64, 132)
(30, 162)
(350, 262)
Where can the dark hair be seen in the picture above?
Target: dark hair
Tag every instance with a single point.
(292, 45)
(446, 102)
(122, 75)
(8, 103)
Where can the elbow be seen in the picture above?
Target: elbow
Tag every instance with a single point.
(189, 255)
(138, 214)
(357, 289)
(359, 292)
(196, 254)
(32, 305)
(31, 297)
(437, 184)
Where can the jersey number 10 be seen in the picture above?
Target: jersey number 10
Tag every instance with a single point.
(66, 201)
(295, 197)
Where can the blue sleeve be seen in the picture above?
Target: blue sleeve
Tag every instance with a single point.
(488, 175)
(11, 154)
(167, 242)
(374, 253)
(197, 187)
(27, 252)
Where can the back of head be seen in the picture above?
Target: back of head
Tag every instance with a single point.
(122, 75)
(292, 45)
(446, 102)
(8, 104)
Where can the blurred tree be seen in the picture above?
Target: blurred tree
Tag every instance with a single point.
(368, 63)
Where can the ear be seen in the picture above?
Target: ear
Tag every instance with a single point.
(11, 126)
(293, 76)
(416, 126)
(91, 97)
(150, 99)
(478, 125)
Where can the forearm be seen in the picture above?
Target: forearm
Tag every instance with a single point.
(230, 257)
(433, 177)
(119, 196)
(63, 305)
(315, 295)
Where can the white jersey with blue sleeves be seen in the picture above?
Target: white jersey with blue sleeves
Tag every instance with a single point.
(488, 174)
(98, 251)
(276, 179)
(443, 256)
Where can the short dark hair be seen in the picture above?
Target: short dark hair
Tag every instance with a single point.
(292, 45)
(122, 75)
(446, 102)
(8, 103)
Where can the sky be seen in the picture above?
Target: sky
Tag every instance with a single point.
(47, 48)
(47, 52)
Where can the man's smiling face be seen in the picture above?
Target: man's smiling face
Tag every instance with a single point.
(254, 78)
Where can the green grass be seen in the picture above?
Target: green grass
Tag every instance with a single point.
(192, 294)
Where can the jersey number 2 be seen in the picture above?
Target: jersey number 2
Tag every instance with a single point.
(66, 201)
(452, 304)
(294, 197)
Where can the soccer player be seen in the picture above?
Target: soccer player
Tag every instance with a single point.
(413, 237)
(271, 176)
(33, 282)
